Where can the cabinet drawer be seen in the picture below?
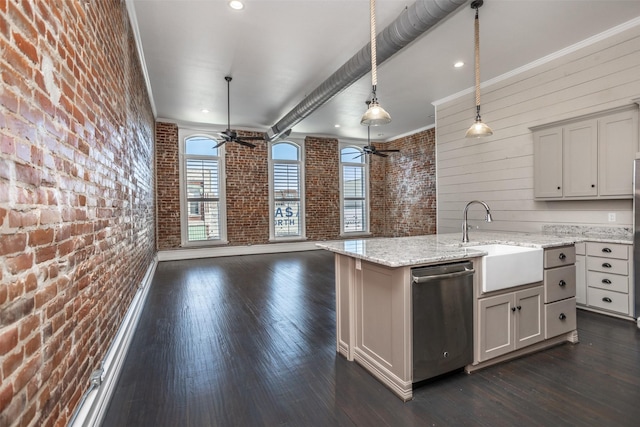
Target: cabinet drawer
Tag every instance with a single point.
(608, 250)
(560, 317)
(559, 283)
(608, 300)
(608, 265)
(556, 257)
(611, 282)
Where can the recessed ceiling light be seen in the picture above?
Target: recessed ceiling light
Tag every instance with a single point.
(236, 4)
(336, 126)
(458, 64)
(204, 110)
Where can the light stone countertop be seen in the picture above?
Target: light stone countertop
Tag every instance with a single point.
(580, 233)
(422, 250)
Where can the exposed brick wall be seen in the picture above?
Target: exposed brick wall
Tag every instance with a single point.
(168, 185)
(77, 198)
(322, 169)
(247, 193)
(410, 185)
(402, 189)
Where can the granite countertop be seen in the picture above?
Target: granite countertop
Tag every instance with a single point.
(581, 233)
(418, 250)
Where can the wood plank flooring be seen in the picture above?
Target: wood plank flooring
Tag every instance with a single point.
(250, 341)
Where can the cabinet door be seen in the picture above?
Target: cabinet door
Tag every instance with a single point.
(617, 147)
(581, 280)
(580, 159)
(496, 320)
(529, 316)
(547, 163)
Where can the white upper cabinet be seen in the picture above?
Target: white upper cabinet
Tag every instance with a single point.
(586, 158)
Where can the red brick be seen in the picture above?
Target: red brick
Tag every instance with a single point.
(12, 243)
(19, 263)
(26, 47)
(11, 362)
(41, 236)
(28, 325)
(32, 345)
(26, 372)
(8, 340)
(22, 219)
(6, 394)
(46, 294)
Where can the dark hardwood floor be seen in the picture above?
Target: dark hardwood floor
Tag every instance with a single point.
(250, 341)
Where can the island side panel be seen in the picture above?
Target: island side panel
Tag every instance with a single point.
(383, 341)
(345, 282)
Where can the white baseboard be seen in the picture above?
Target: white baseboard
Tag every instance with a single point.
(93, 406)
(219, 251)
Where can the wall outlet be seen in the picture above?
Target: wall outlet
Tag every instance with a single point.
(612, 217)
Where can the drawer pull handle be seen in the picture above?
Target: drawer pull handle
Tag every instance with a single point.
(562, 316)
(562, 256)
(562, 283)
(607, 299)
(606, 250)
(606, 265)
(606, 281)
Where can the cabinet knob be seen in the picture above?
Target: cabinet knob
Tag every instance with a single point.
(513, 309)
(593, 186)
(607, 299)
(606, 281)
(562, 283)
(519, 307)
(562, 316)
(606, 265)
(562, 256)
(558, 188)
(606, 250)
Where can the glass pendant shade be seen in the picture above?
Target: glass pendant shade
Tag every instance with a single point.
(478, 130)
(375, 115)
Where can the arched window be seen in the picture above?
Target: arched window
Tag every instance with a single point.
(202, 204)
(354, 190)
(286, 190)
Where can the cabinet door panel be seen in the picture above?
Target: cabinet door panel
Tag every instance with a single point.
(547, 163)
(580, 159)
(581, 279)
(529, 321)
(495, 326)
(617, 147)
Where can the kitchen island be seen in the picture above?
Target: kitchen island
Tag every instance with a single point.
(374, 301)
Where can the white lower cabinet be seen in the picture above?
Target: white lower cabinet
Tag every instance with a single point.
(603, 282)
(510, 321)
(581, 274)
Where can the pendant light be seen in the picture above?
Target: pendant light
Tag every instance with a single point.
(375, 114)
(478, 129)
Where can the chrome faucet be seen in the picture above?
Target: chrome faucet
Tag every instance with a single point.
(465, 227)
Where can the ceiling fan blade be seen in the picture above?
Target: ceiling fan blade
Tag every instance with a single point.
(245, 143)
(219, 144)
(359, 155)
(378, 153)
(388, 151)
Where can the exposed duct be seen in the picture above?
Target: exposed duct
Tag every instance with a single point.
(413, 22)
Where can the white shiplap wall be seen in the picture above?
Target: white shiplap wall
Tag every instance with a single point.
(499, 170)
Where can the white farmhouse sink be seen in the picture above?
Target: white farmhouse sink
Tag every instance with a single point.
(506, 266)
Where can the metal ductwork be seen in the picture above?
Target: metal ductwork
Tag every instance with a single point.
(413, 22)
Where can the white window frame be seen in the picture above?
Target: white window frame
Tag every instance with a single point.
(367, 208)
(183, 135)
(302, 211)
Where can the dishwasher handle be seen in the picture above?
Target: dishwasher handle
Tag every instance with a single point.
(425, 279)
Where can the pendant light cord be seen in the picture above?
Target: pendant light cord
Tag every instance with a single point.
(374, 61)
(477, 52)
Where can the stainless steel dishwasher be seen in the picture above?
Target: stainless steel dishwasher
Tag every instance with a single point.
(442, 307)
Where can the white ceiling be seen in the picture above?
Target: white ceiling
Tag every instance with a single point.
(277, 51)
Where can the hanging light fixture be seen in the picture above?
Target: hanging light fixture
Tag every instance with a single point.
(478, 129)
(375, 114)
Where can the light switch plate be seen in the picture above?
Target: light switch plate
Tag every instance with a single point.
(612, 217)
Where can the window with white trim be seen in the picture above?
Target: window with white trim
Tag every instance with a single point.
(202, 190)
(354, 191)
(286, 191)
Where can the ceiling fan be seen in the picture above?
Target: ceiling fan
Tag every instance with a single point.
(231, 135)
(370, 149)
